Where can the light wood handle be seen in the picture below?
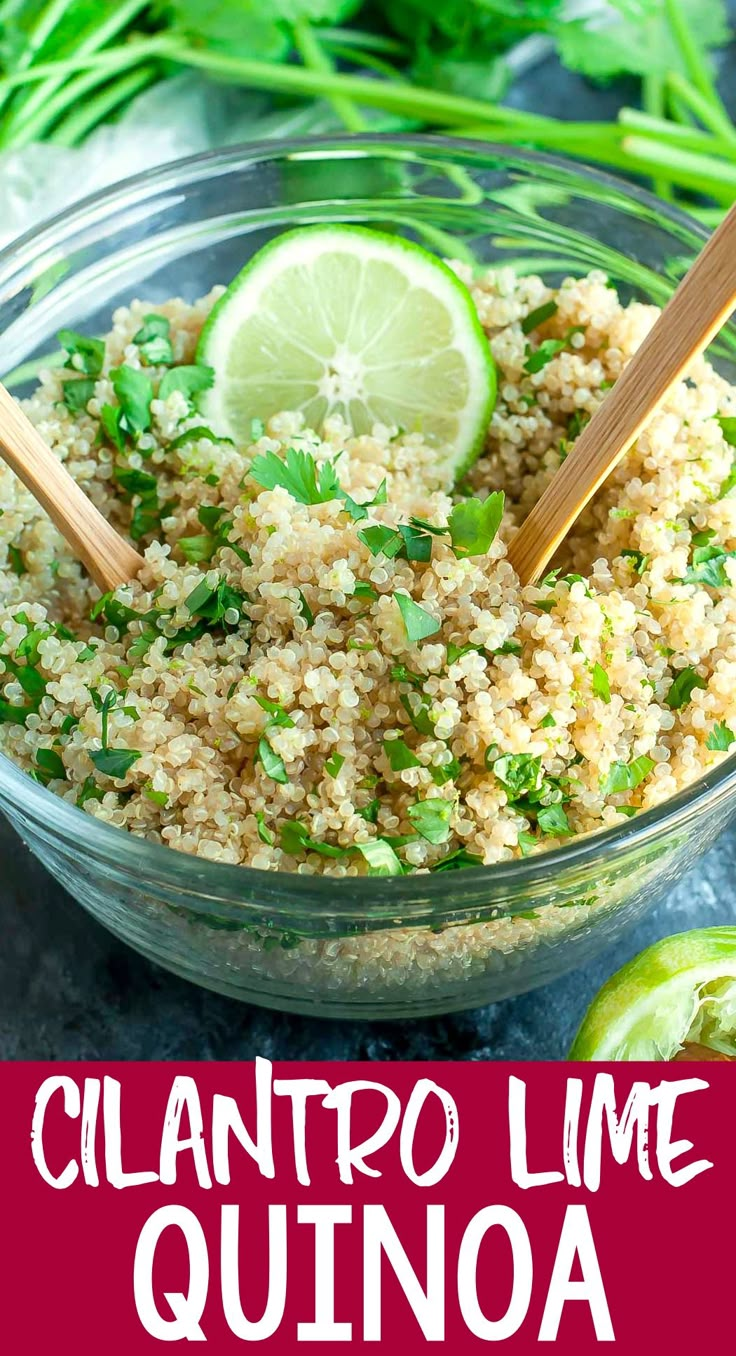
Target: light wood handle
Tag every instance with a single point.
(702, 303)
(109, 559)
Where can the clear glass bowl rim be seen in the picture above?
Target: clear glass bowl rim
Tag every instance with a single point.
(227, 882)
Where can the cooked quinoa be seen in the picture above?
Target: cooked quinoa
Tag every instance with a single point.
(256, 696)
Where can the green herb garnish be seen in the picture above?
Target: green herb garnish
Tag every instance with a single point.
(473, 524)
(721, 738)
(682, 688)
(83, 354)
(418, 623)
(431, 818)
(626, 776)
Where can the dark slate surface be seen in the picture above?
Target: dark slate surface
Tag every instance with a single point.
(68, 990)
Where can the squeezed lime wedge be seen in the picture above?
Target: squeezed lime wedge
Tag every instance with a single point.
(351, 321)
(676, 1000)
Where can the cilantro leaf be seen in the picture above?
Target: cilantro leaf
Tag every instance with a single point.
(458, 860)
(538, 316)
(720, 738)
(626, 776)
(305, 610)
(473, 524)
(552, 820)
(50, 765)
(153, 340)
(114, 762)
(192, 435)
(709, 567)
(271, 762)
(334, 764)
(83, 354)
(418, 623)
(134, 391)
(111, 424)
(431, 818)
(601, 685)
(536, 359)
(212, 603)
(518, 773)
(682, 688)
(399, 755)
(296, 838)
(189, 379)
(264, 833)
(77, 394)
(380, 858)
(297, 473)
(278, 713)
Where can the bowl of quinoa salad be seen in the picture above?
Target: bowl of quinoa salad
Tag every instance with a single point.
(339, 763)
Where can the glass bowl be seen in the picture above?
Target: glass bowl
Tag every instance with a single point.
(369, 947)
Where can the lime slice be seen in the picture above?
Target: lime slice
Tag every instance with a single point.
(677, 995)
(346, 320)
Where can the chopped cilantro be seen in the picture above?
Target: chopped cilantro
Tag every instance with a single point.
(538, 316)
(369, 812)
(153, 340)
(399, 755)
(264, 833)
(418, 708)
(298, 474)
(334, 764)
(156, 797)
(83, 354)
(683, 687)
(279, 715)
(190, 380)
(296, 838)
(380, 858)
(601, 685)
(721, 738)
(16, 561)
(359, 511)
(552, 820)
(547, 722)
(77, 394)
(191, 435)
(134, 392)
(89, 791)
(518, 773)
(212, 603)
(709, 567)
(50, 765)
(473, 524)
(457, 861)
(114, 762)
(418, 623)
(272, 764)
(446, 772)
(111, 421)
(527, 842)
(431, 818)
(364, 590)
(257, 429)
(305, 610)
(639, 561)
(626, 776)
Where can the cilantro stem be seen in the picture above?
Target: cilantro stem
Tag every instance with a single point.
(316, 59)
(685, 135)
(696, 61)
(704, 174)
(652, 90)
(702, 108)
(116, 21)
(92, 111)
(44, 25)
(356, 37)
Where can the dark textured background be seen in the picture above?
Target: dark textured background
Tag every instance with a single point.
(68, 990)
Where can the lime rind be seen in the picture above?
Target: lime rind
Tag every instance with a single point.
(277, 314)
(683, 988)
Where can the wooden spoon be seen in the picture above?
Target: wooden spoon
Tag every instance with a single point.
(109, 559)
(702, 303)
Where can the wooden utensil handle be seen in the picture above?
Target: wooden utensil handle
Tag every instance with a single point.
(702, 303)
(109, 559)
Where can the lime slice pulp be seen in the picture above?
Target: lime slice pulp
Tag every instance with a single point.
(350, 321)
(677, 995)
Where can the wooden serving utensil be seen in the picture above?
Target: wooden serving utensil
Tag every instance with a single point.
(109, 559)
(702, 303)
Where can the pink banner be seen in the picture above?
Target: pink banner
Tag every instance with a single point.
(393, 1204)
